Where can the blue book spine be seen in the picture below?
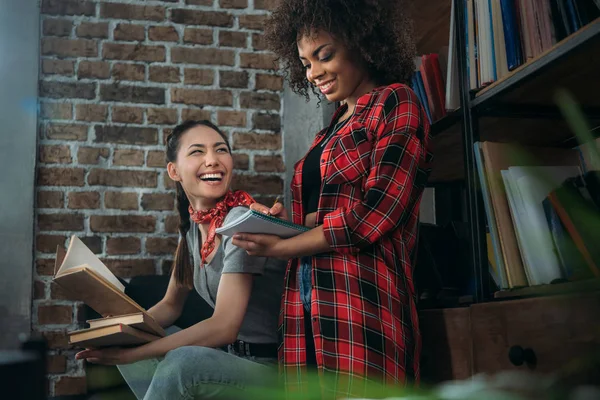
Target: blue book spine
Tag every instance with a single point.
(573, 15)
(467, 62)
(493, 45)
(514, 56)
(423, 95)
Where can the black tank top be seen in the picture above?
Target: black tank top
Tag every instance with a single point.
(311, 170)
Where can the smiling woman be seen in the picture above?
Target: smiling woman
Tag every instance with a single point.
(243, 290)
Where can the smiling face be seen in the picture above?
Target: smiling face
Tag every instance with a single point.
(203, 166)
(330, 66)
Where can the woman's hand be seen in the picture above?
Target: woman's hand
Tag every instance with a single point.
(261, 245)
(278, 210)
(108, 356)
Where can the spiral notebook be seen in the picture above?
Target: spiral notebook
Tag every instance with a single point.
(256, 222)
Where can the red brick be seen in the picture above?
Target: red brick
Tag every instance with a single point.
(66, 132)
(198, 76)
(198, 36)
(256, 141)
(93, 69)
(262, 184)
(56, 110)
(55, 315)
(91, 112)
(199, 2)
(128, 115)
(68, 7)
(168, 182)
(123, 245)
(233, 79)
(202, 56)
(162, 116)
(163, 34)
(197, 17)
(69, 47)
(39, 290)
(268, 122)
(253, 21)
(58, 293)
(133, 52)
(50, 199)
(268, 164)
(157, 246)
(56, 339)
(60, 222)
(241, 161)
(158, 201)
(195, 114)
(128, 157)
(129, 32)
(233, 39)
(68, 385)
(129, 72)
(156, 159)
(231, 118)
(260, 101)
(132, 94)
(239, 4)
(55, 154)
(126, 135)
(84, 200)
(58, 67)
(202, 97)
(164, 74)
(269, 5)
(258, 61)
(121, 200)
(172, 223)
(259, 42)
(122, 223)
(130, 268)
(44, 266)
(57, 27)
(48, 243)
(94, 243)
(132, 12)
(60, 177)
(91, 155)
(56, 364)
(92, 30)
(269, 82)
(63, 90)
(122, 178)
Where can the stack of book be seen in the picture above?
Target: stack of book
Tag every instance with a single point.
(85, 278)
(543, 214)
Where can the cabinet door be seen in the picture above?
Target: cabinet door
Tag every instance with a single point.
(446, 351)
(545, 334)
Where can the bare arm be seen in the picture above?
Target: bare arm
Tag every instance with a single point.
(166, 311)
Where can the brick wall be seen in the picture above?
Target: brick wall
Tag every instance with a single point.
(115, 77)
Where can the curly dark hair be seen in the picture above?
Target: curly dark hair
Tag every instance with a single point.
(379, 31)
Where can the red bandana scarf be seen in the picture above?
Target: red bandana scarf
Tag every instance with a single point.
(215, 216)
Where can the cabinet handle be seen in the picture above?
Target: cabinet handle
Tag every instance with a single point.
(519, 356)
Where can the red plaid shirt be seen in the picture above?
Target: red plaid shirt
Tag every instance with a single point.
(364, 314)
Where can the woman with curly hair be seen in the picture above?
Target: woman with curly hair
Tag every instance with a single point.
(349, 304)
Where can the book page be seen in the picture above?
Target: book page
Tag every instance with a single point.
(79, 255)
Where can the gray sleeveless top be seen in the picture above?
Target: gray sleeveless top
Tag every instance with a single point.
(261, 319)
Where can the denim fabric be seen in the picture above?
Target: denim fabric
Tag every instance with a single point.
(195, 372)
(305, 281)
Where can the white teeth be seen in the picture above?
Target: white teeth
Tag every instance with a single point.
(326, 86)
(211, 176)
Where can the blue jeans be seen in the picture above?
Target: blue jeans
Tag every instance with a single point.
(305, 281)
(195, 372)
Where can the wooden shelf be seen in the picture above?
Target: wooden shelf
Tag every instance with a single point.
(578, 287)
(572, 63)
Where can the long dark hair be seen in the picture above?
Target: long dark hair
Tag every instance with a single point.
(182, 266)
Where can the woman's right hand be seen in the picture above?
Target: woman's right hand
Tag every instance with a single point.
(278, 210)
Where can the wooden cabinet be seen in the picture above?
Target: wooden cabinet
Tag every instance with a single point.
(540, 334)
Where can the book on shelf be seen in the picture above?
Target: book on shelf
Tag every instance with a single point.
(83, 277)
(253, 221)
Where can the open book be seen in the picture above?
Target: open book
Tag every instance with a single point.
(256, 222)
(85, 278)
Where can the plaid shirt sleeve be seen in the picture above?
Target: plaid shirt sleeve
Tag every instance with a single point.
(395, 157)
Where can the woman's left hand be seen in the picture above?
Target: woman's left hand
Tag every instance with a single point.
(260, 245)
(108, 356)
